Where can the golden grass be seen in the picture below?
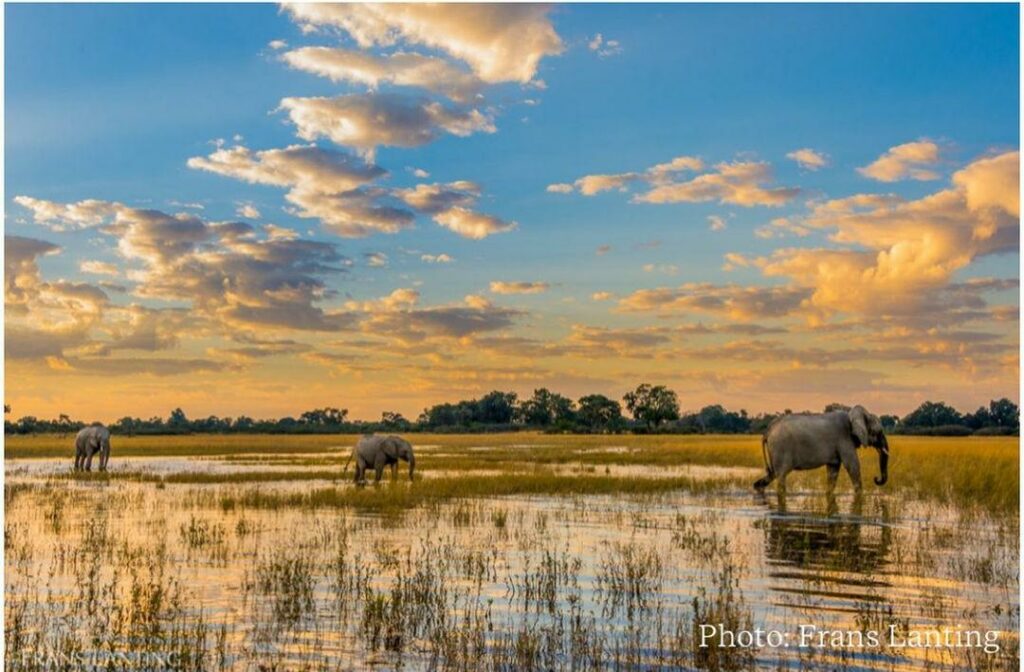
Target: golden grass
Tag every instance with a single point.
(973, 471)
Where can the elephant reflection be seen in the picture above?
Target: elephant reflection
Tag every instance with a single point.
(846, 544)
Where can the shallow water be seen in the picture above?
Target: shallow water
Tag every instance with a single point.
(551, 582)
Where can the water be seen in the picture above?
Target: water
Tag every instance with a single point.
(548, 582)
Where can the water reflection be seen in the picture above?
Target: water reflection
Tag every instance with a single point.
(831, 554)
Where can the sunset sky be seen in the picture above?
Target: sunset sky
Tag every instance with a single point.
(260, 209)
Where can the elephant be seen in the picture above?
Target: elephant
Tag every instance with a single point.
(89, 441)
(801, 441)
(379, 452)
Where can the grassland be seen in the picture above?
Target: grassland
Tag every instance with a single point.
(972, 472)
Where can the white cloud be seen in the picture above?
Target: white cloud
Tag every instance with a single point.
(399, 69)
(469, 224)
(501, 43)
(603, 47)
(98, 268)
(366, 121)
(437, 258)
(909, 160)
(808, 159)
(277, 45)
(247, 210)
(716, 223)
(500, 287)
(376, 259)
(738, 183)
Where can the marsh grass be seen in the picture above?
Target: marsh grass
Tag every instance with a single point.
(558, 560)
(974, 472)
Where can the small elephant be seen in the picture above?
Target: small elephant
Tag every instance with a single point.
(89, 441)
(803, 441)
(379, 452)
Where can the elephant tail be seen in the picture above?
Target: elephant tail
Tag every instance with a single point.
(347, 462)
(767, 456)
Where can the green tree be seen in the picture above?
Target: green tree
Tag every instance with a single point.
(932, 414)
(599, 413)
(546, 408)
(652, 404)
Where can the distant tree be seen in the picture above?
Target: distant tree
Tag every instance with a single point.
(496, 408)
(394, 421)
(598, 413)
(932, 414)
(836, 406)
(652, 405)
(177, 419)
(1005, 413)
(546, 408)
(243, 423)
(889, 422)
(64, 424)
(717, 420)
(324, 417)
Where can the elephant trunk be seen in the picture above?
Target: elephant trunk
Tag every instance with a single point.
(883, 461)
(412, 465)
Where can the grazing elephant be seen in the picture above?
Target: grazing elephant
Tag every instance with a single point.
(808, 441)
(91, 440)
(379, 452)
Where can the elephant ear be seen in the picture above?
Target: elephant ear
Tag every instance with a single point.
(390, 446)
(859, 422)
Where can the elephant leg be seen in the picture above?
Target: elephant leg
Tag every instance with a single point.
(833, 476)
(78, 460)
(852, 465)
(394, 471)
(360, 471)
(379, 472)
(88, 462)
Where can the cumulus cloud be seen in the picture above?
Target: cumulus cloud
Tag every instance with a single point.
(469, 224)
(602, 47)
(741, 303)
(66, 216)
(376, 259)
(436, 258)
(716, 223)
(399, 316)
(519, 287)
(399, 69)
(737, 182)
(323, 184)
(897, 257)
(98, 268)
(247, 210)
(589, 185)
(808, 159)
(910, 160)
(436, 198)
(224, 270)
(366, 121)
(602, 296)
(501, 43)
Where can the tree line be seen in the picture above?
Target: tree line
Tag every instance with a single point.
(651, 408)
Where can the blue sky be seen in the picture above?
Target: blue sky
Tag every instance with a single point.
(109, 102)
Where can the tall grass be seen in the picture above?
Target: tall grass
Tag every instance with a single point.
(977, 472)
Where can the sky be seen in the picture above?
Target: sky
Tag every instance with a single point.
(262, 209)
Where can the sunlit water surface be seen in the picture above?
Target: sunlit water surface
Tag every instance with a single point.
(554, 582)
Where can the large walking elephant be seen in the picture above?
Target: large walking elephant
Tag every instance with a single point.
(89, 441)
(379, 452)
(803, 441)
